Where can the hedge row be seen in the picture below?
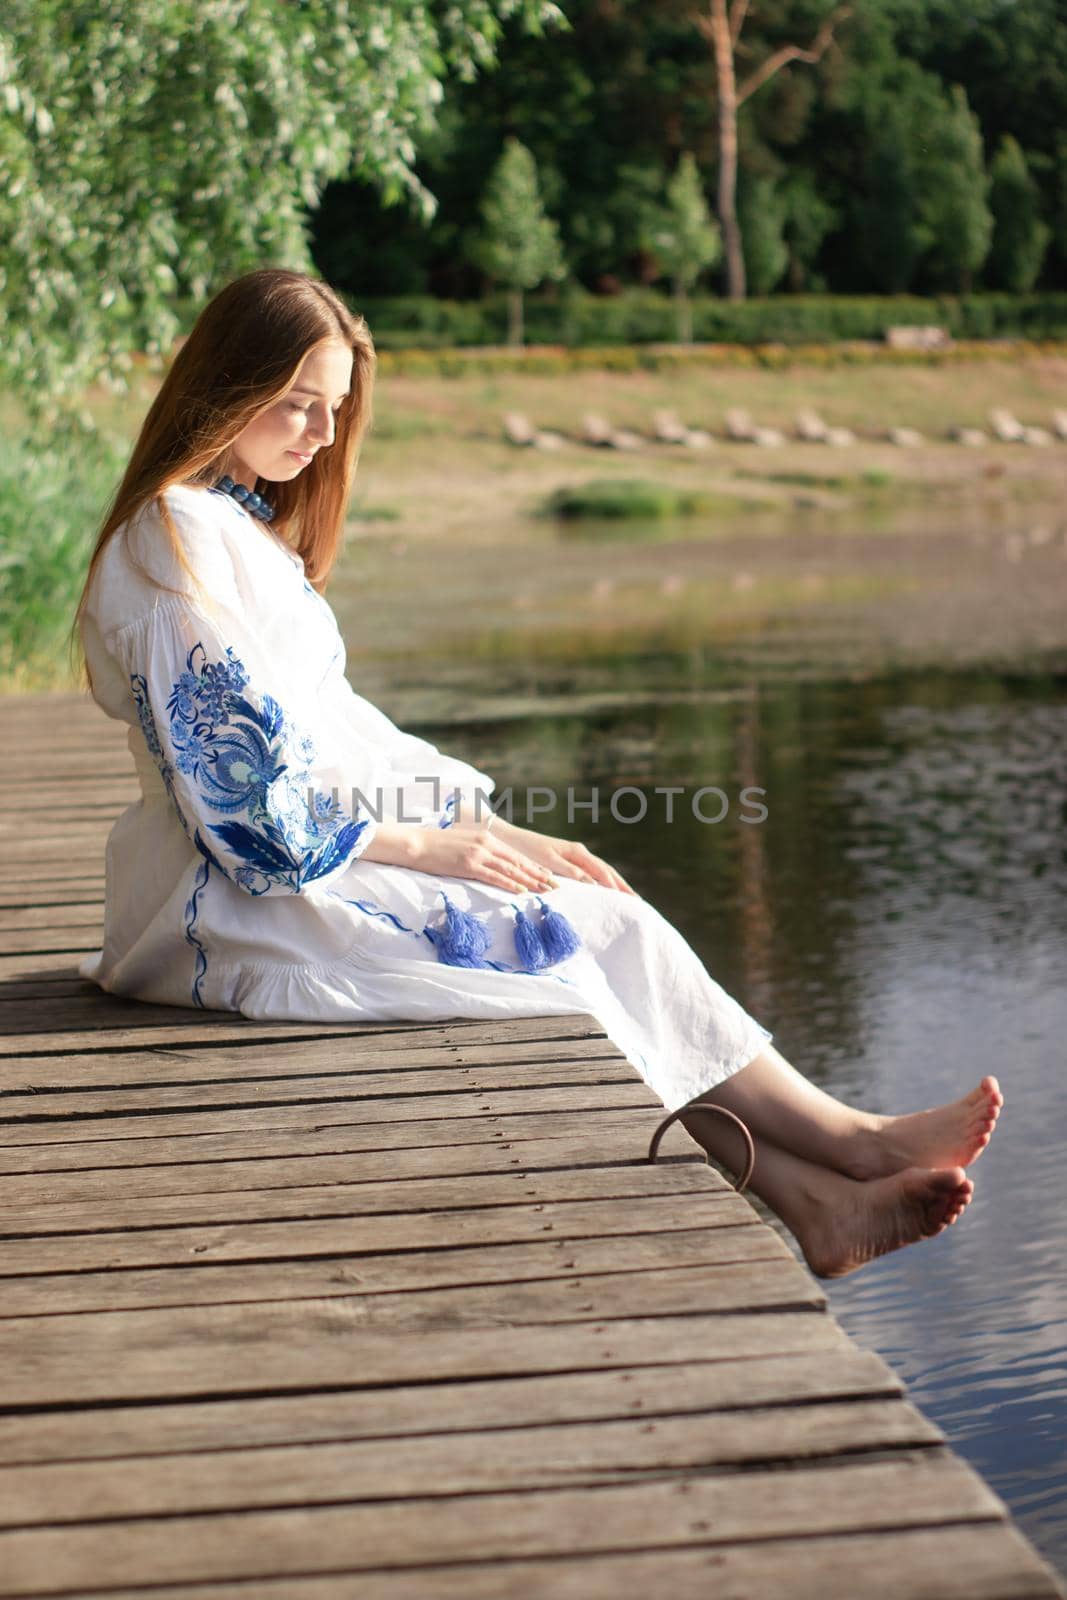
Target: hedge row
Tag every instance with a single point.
(553, 359)
(576, 320)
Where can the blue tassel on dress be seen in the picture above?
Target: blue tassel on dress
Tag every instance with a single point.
(558, 936)
(529, 944)
(463, 940)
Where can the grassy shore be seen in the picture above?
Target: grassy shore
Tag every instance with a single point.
(446, 535)
(437, 459)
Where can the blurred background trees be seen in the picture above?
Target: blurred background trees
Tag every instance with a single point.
(868, 171)
(920, 149)
(149, 154)
(517, 245)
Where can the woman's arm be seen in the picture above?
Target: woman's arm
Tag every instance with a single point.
(465, 850)
(493, 852)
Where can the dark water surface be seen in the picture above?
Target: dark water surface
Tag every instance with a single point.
(900, 922)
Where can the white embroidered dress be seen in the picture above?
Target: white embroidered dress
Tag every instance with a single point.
(236, 881)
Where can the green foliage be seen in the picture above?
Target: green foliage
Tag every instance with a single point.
(518, 245)
(52, 501)
(618, 499)
(762, 214)
(578, 320)
(884, 210)
(918, 206)
(606, 107)
(153, 154)
(1020, 238)
(686, 240)
(954, 215)
(808, 218)
(1012, 59)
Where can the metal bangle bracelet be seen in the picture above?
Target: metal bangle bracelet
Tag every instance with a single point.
(692, 1108)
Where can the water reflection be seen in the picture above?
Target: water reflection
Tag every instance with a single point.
(900, 921)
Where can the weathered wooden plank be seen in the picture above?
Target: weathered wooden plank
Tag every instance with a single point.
(23, 919)
(105, 1023)
(25, 852)
(613, 1190)
(51, 898)
(308, 1344)
(19, 990)
(211, 1205)
(369, 1110)
(732, 1284)
(57, 940)
(973, 1561)
(541, 1456)
(456, 1229)
(621, 1133)
(112, 1111)
(714, 1509)
(286, 1063)
(46, 1173)
(37, 964)
(647, 1392)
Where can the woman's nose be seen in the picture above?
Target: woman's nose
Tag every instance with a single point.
(320, 426)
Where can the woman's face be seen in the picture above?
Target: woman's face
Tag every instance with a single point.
(278, 444)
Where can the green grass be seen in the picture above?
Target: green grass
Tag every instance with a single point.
(623, 499)
(869, 478)
(373, 513)
(52, 502)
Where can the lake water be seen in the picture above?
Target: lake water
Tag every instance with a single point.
(900, 921)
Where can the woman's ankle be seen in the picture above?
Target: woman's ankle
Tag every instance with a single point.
(864, 1154)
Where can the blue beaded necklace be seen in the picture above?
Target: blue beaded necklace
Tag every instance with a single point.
(245, 497)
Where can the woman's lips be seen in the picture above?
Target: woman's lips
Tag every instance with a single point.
(303, 456)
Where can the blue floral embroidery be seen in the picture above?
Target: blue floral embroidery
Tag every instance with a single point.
(151, 739)
(247, 761)
(192, 911)
(371, 910)
(448, 814)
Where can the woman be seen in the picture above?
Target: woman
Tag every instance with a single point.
(296, 856)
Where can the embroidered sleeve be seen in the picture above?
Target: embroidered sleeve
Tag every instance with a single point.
(419, 784)
(249, 784)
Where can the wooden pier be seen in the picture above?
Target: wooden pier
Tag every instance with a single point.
(401, 1312)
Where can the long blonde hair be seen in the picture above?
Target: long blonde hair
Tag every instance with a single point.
(241, 356)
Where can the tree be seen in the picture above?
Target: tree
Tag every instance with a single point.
(954, 214)
(148, 159)
(763, 218)
(685, 239)
(518, 245)
(1012, 59)
(808, 218)
(722, 28)
(1020, 238)
(895, 108)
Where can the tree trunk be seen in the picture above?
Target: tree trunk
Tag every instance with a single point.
(723, 46)
(722, 28)
(515, 328)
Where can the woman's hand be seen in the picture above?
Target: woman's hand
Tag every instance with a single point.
(473, 850)
(562, 856)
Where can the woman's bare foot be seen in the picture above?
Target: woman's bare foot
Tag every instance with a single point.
(952, 1135)
(881, 1215)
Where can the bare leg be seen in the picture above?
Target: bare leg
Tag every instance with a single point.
(839, 1222)
(779, 1104)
